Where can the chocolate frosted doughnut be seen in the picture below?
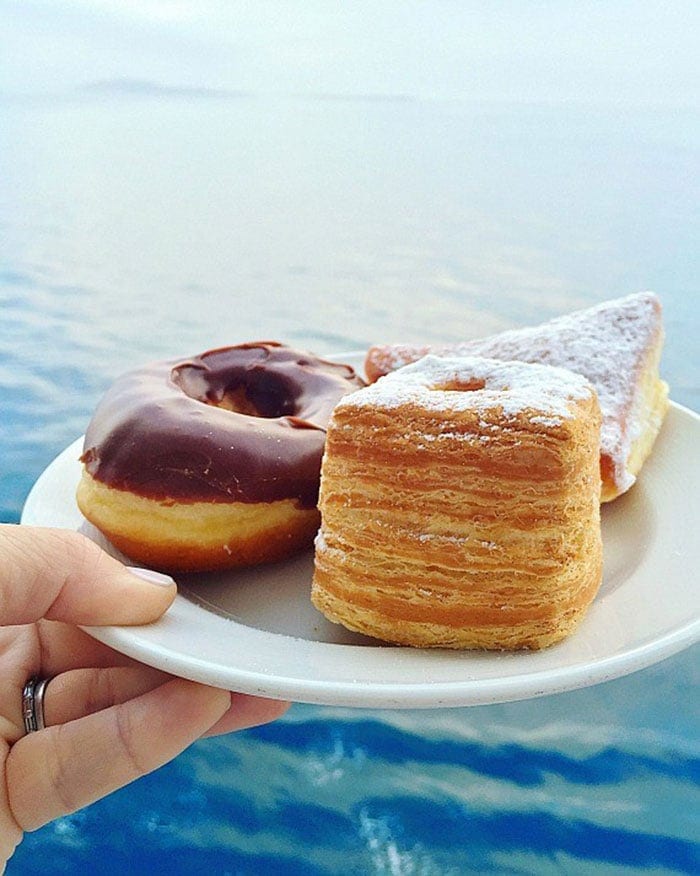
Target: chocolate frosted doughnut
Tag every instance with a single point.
(212, 462)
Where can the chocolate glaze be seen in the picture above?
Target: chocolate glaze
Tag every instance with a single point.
(164, 432)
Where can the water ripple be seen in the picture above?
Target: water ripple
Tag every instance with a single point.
(527, 767)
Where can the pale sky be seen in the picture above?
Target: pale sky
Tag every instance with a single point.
(622, 52)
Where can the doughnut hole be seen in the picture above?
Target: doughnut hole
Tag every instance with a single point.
(260, 395)
(473, 384)
(254, 393)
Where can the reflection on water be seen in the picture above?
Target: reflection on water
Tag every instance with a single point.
(135, 229)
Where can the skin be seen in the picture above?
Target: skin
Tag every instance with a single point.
(109, 720)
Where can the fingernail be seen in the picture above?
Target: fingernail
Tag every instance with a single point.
(151, 576)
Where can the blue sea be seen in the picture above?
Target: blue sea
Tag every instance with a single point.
(136, 226)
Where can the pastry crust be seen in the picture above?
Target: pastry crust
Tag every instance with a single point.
(616, 345)
(460, 506)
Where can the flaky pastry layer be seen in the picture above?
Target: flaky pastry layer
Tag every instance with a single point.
(459, 527)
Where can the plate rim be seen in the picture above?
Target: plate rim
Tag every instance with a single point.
(458, 694)
(537, 682)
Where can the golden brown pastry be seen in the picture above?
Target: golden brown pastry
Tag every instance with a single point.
(616, 345)
(460, 506)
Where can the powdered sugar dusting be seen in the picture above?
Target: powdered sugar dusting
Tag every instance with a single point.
(442, 384)
(606, 344)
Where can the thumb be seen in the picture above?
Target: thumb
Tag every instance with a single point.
(62, 575)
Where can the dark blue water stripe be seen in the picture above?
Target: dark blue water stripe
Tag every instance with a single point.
(417, 820)
(470, 839)
(153, 861)
(521, 765)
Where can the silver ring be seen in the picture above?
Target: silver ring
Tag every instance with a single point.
(33, 704)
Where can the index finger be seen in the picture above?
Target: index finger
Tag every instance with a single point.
(62, 575)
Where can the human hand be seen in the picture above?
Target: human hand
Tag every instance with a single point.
(109, 720)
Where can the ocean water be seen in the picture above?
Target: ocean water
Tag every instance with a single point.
(134, 227)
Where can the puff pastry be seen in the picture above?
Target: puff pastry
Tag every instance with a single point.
(616, 345)
(460, 506)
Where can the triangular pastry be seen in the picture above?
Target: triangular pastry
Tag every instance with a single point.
(615, 345)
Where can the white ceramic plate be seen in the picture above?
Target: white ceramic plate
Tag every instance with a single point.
(257, 632)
